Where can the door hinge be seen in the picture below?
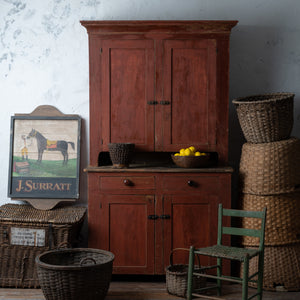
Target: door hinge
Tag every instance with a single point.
(100, 205)
(101, 50)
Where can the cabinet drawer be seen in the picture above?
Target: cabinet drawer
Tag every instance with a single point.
(191, 184)
(127, 183)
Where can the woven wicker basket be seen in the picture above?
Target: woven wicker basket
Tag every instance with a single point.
(26, 232)
(17, 267)
(266, 118)
(176, 277)
(121, 154)
(270, 168)
(281, 268)
(282, 222)
(75, 274)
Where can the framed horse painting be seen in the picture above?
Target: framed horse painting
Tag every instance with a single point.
(44, 157)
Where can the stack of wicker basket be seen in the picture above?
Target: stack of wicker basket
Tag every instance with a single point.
(270, 177)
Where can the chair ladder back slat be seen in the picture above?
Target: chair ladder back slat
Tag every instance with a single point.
(241, 231)
(243, 213)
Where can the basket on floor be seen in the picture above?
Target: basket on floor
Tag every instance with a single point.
(177, 276)
(270, 168)
(76, 274)
(26, 232)
(281, 268)
(266, 118)
(283, 220)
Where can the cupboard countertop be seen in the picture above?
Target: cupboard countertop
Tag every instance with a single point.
(158, 169)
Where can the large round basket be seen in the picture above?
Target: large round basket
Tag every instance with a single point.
(266, 118)
(281, 268)
(283, 220)
(270, 168)
(75, 274)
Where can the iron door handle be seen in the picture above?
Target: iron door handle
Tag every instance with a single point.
(152, 102)
(153, 217)
(165, 217)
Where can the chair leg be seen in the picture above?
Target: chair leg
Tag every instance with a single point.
(245, 279)
(219, 274)
(260, 275)
(190, 273)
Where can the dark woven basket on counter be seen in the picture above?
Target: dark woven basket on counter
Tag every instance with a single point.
(266, 118)
(282, 223)
(76, 274)
(177, 277)
(270, 168)
(121, 154)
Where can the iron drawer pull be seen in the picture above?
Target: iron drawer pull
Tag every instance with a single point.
(128, 182)
(192, 183)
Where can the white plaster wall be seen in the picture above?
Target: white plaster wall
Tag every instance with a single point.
(44, 55)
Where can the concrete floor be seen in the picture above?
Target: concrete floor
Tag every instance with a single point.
(145, 291)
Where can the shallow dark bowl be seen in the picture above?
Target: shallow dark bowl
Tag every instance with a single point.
(192, 161)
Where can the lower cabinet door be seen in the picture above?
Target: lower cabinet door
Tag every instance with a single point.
(193, 221)
(129, 223)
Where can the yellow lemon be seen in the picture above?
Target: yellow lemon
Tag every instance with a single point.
(193, 149)
(187, 152)
(197, 153)
(177, 154)
(182, 152)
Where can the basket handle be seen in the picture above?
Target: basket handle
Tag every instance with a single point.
(87, 259)
(63, 245)
(184, 249)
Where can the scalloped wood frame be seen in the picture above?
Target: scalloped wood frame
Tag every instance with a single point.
(46, 112)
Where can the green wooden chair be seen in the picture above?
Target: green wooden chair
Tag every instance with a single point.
(220, 251)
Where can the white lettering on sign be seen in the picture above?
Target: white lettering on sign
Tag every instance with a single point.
(27, 237)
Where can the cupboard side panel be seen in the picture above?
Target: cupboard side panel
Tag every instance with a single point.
(95, 79)
(222, 105)
(97, 215)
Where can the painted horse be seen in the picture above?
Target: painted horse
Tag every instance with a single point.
(45, 144)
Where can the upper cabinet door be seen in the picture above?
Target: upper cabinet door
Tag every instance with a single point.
(127, 92)
(189, 94)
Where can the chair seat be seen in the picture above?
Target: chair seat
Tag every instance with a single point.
(228, 252)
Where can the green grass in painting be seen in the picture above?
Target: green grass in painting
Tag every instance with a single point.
(48, 168)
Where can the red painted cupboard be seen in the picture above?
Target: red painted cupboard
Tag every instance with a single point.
(162, 85)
